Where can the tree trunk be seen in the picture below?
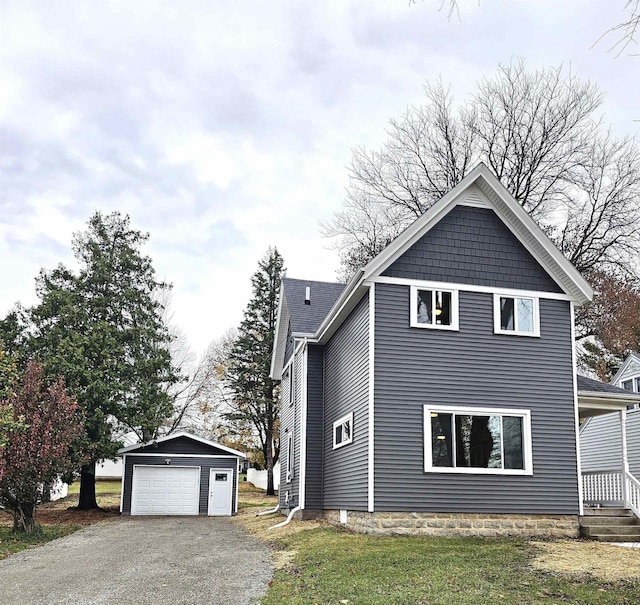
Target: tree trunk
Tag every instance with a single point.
(87, 499)
(24, 518)
(268, 458)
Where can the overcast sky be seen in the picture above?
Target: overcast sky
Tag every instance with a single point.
(223, 128)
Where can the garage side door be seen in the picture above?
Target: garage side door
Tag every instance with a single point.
(165, 490)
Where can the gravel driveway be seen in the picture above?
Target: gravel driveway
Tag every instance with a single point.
(150, 560)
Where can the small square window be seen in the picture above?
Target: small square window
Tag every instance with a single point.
(432, 308)
(343, 431)
(517, 315)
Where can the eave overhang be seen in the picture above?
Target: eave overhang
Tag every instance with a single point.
(594, 403)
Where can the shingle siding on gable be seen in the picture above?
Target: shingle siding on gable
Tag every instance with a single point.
(472, 246)
(601, 443)
(473, 367)
(346, 379)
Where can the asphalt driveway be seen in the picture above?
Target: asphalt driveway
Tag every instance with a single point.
(142, 560)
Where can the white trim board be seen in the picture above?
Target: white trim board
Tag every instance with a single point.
(302, 480)
(437, 285)
(371, 389)
(576, 410)
(181, 455)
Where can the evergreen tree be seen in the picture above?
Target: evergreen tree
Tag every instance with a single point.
(253, 399)
(101, 329)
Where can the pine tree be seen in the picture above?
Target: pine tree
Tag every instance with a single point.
(101, 329)
(254, 393)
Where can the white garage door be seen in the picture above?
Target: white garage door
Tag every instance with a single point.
(165, 490)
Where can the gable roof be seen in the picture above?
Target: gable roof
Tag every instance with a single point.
(180, 434)
(306, 319)
(589, 385)
(479, 188)
(631, 358)
(514, 216)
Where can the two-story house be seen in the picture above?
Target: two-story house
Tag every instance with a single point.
(436, 392)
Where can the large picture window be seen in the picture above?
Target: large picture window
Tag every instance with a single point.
(517, 315)
(432, 308)
(477, 440)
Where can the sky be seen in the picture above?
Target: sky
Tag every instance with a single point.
(224, 128)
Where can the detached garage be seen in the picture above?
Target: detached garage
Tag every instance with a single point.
(179, 475)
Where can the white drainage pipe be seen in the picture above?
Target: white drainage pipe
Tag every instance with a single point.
(286, 521)
(268, 512)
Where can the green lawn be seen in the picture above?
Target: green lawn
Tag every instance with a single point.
(111, 486)
(10, 544)
(328, 566)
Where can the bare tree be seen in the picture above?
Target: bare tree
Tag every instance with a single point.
(624, 32)
(537, 131)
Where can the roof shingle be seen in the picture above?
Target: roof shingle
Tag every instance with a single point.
(307, 318)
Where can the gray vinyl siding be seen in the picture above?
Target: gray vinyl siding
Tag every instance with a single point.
(476, 368)
(290, 422)
(346, 381)
(472, 246)
(601, 443)
(315, 371)
(205, 463)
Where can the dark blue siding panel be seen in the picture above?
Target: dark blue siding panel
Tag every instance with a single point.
(290, 424)
(315, 363)
(346, 380)
(472, 246)
(472, 367)
(182, 445)
(205, 463)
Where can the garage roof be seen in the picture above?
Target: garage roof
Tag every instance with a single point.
(180, 435)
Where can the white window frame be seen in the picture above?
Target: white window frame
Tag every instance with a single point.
(347, 418)
(515, 332)
(292, 382)
(472, 411)
(289, 456)
(433, 326)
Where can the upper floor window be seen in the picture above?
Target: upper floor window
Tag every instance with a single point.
(431, 308)
(517, 315)
(477, 440)
(627, 385)
(343, 431)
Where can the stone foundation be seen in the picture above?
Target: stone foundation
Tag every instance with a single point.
(457, 524)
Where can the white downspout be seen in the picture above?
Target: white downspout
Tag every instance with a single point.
(268, 512)
(286, 521)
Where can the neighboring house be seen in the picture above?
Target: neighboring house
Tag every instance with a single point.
(610, 444)
(436, 392)
(180, 474)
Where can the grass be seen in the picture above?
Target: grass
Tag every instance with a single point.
(10, 544)
(320, 564)
(61, 517)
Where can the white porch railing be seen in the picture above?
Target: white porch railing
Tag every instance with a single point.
(611, 488)
(602, 488)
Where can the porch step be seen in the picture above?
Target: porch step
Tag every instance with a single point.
(610, 525)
